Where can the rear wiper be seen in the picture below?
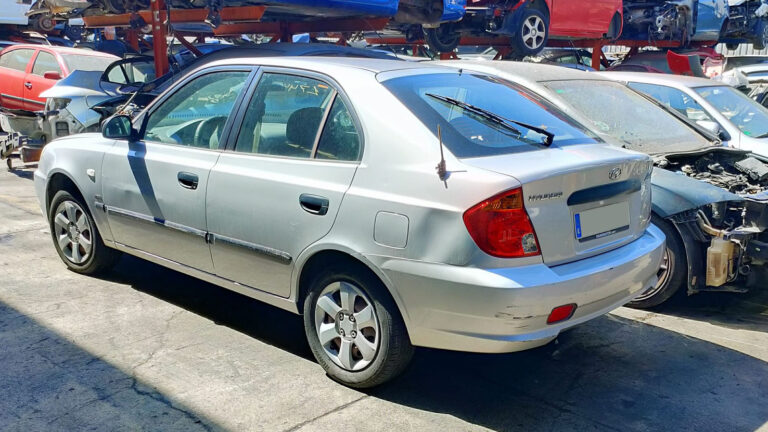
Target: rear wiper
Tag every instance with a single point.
(495, 118)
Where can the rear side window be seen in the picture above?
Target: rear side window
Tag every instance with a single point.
(17, 59)
(45, 62)
(675, 99)
(469, 134)
(339, 140)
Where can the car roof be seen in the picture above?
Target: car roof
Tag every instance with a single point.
(536, 72)
(64, 50)
(329, 64)
(664, 79)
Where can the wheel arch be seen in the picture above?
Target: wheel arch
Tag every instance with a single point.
(58, 181)
(542, 6)
(317, 257)
(688, 234)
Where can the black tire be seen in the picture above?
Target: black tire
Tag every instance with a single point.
(677, 269)
(731, 46)
(614, 29)
(101, 258)
(443, 38)
(394, 350)
(521, 42)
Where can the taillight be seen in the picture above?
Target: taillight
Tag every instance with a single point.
(500, 226)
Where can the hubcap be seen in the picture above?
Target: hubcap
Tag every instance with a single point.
(347, 325)
(73, 232)
(665, 270)
(533, 32)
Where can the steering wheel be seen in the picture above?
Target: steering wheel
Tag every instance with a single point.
(205, 130)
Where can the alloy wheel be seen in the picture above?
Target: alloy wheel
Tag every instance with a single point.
(534, 31)
(666, 269)
(73, 232)
(347, 325)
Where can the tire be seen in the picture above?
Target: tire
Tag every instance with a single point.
(731, 46)
(71, 225)
(443, 38)
(532, 33)
(673, 273)
(614, 29)
(382, 333)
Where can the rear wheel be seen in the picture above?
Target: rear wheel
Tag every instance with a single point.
(532, 34)
(672, 273)
(76, 238)
(354, 328)
(443, 38)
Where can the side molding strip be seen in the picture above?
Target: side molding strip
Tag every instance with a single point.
(147, 218)
(278, 255)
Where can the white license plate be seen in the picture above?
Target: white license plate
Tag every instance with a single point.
(601, 221)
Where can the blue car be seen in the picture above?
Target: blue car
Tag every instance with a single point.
(748, 23)
(675, 20)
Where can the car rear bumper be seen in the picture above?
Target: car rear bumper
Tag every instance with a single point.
(506, 309)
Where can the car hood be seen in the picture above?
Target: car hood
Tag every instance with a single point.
(674, 193)
(80, 84)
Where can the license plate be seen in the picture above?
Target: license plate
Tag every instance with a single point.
(601, 221)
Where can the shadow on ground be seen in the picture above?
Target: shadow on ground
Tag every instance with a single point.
(48, 383)
(609, 374)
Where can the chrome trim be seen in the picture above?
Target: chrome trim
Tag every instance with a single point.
(278, 255)
(146, 218)
(21, 99)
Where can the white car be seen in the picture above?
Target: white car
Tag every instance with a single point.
(738, 120)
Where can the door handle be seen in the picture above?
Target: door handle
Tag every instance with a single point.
(188, 180)
(28, 85)
(314, 204)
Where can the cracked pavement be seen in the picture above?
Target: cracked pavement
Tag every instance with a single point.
(145, 348)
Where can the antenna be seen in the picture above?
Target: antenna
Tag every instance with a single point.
(442, 173)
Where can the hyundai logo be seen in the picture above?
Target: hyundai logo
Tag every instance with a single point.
(614, 173)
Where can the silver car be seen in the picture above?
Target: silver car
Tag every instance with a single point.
(392, 204)
(740, 121)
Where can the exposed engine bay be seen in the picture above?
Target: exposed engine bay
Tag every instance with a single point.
(658, 20)
(731, 228)
(734, 172)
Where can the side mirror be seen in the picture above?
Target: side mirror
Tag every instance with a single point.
(51, 75)
(714, 128)
(118, 127)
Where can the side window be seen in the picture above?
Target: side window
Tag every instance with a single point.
(17, 59)
(675, 99)
(339, 140)
(284, 116)
(195, 114)
(45, 62)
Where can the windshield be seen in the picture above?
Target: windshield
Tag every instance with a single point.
(467, 134)
(87, 63)
(747, 115)
(620, 112)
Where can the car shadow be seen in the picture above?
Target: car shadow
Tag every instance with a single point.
(49, 383)
(608, 374)
(27, 172)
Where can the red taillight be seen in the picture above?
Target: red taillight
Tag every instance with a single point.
(501, 227)
(561, 313)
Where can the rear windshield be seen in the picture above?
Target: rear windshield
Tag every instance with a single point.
(467, 134)
(87, 63)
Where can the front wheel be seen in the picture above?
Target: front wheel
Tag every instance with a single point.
(672, 273)
(443, 38)
(354, 328)
(532, 34)
(76, 238)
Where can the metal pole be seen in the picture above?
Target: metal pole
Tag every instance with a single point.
(159, 37)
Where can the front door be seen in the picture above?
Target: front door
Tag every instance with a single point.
(14, 64)
(280, 186)
(155, 188)
(35, 81)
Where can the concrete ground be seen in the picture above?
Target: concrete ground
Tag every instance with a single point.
(146, 348)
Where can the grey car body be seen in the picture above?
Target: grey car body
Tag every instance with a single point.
(694, 173)
(270, 226)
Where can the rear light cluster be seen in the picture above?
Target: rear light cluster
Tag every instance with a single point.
(500, 226)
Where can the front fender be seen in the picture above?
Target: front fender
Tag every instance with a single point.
(674, 193)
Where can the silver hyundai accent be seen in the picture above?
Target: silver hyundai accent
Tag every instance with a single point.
(392, 204)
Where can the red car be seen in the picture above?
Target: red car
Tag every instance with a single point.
(530, 23)
(28, 70)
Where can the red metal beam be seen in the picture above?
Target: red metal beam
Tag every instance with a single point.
(159, 37)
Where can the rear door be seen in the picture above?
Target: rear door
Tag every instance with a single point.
(278, 188)
(14, 64)
(35, 81)
(154, 189)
